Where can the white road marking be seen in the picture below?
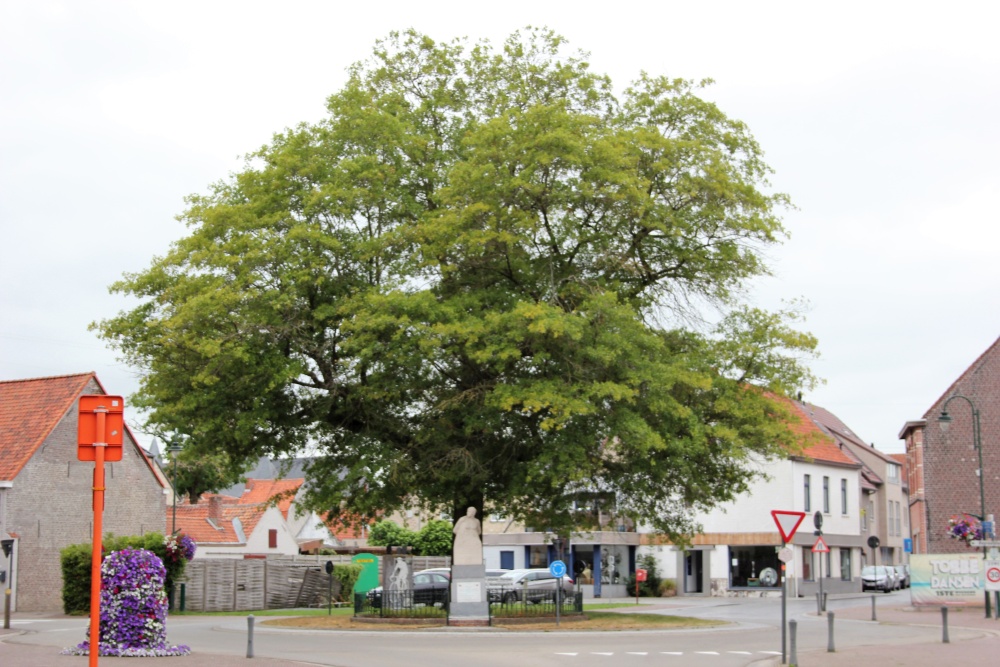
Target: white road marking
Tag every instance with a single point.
(707, 652)
(573, 655)
(597, 653)
(636, 653)
(740, 652)
(671, 652)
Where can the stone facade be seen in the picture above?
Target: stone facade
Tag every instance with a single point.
(49, 506)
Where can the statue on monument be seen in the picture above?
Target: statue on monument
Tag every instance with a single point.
(468, 549)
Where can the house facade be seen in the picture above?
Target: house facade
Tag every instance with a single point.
(737, 551)
(943, 462)
(884, 498)
(47, 502)
(223, 527)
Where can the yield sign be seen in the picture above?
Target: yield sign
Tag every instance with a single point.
(820, 546)
(788, 522)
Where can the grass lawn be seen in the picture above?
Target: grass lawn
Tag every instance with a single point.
(592, 621)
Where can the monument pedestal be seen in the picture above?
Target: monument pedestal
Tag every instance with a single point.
(469, 604)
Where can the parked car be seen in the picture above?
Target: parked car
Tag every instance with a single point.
(903, 575)
(429, 587)
(530, 585)
(878, 578)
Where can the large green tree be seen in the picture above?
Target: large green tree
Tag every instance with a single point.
(482, 280)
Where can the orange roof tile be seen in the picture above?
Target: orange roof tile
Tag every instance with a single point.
(194, 520)
(279, 491)
(818, 445)
(29, 410)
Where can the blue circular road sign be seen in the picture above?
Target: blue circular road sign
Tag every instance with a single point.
(557, 568)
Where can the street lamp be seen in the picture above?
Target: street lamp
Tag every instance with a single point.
(174, 449)
(945, 420)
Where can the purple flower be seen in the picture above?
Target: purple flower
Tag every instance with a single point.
(133, 607)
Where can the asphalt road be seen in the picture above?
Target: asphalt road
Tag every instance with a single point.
(752, 637)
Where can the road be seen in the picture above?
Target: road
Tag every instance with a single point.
(752, 636)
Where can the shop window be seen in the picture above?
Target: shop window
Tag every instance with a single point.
(754, 567)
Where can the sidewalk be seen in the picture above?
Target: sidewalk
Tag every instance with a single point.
(979, 643)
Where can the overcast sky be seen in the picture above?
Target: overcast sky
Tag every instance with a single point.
(881, 121)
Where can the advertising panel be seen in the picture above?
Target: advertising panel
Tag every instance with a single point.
(946, 579)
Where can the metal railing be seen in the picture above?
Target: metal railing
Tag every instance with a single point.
(402, 604)
(515, 602)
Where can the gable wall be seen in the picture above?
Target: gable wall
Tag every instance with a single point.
(950, 463)
(50, 507)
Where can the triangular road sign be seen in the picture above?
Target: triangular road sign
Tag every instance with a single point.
(820, 546)
(788, 522)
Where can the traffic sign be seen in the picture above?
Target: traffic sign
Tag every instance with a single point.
(640, 575)
(557, 568)
(820, 546)
(993, 575)
(100, 423)
(788, 522)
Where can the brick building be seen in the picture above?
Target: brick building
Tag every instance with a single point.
(46, 501)
(943, 465)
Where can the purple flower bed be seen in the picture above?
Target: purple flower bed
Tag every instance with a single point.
(133, 608)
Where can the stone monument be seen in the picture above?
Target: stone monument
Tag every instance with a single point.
(469, 602)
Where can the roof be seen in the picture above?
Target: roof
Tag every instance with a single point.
(818, 444)
(271, 491)
(29, 410)
(840, 430)
(952, 388)
(195, 521)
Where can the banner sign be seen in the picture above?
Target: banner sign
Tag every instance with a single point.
(946, 579)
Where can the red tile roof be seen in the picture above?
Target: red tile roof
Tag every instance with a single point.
(29, 410)
(278, 491)
(195, 520)
(818, 444)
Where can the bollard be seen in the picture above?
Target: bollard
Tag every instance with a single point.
(874, 618)
(829, 626)
(6, 609)
(183, 594)
(825, 593)
(792, 627)
(944, 626)
(250, 636)
(819, 603)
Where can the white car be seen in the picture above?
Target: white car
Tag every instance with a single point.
(531, 585)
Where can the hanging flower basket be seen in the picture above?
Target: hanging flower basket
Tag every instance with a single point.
(964, 527)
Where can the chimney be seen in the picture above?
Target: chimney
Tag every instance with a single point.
(215, 508)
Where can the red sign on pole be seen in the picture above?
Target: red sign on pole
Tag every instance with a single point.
(820, 546)
(640, 575)
(788, 522)
(101, 422)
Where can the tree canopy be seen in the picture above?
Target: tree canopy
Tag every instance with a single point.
(482, 280)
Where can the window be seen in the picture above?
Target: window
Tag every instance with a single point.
(272, 538)
(899, 519)
(845, 564)
(807, 564)
(826, 494)
(754, 567)
(807, 506)
(843, 497)
(893, 470)
(891, 525)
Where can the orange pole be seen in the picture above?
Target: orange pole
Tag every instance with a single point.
(95, 560)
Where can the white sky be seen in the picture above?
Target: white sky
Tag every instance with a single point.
(879, 118)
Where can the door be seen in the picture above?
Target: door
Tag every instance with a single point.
(506, 560)
(693, 571)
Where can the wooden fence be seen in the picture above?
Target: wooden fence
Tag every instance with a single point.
(231, 584)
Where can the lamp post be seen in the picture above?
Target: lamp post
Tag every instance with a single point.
(944, 420)
(174, 448)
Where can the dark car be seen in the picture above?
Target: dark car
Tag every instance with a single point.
(430, 587)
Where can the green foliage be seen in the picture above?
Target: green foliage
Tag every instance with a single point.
(76, 570)
(652, 586)
(386, 533)
(434, 539)
(347, 575)
(75, 561)
(474, 283)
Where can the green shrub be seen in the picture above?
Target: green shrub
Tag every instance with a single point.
(347, 575)
(650, 587)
